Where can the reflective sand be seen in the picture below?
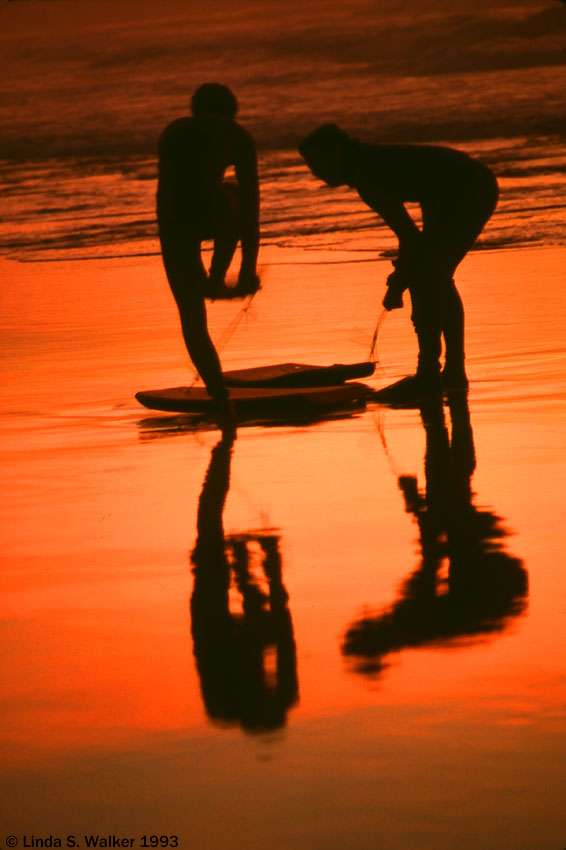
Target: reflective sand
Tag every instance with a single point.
(385, 667)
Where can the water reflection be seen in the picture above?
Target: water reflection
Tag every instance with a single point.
(242, 630)
(466, 586)
(156, 426)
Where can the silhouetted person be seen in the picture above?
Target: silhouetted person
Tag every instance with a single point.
(195, 203)
(233, 650)
(457, 195)
(483, 588)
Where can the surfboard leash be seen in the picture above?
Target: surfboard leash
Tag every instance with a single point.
(229, 330)
(373, 355)
(232, 325)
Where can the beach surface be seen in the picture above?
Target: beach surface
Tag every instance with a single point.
(386, 587)
(337, 632)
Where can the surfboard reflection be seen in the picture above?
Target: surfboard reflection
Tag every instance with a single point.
(466, 586)
(242, 631)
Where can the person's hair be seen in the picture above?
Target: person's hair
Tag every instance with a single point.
(323, 139)
(214, 98)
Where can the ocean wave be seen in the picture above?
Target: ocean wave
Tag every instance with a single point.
(82, 107)
(385, 69)
(82, 208)
(434, 43)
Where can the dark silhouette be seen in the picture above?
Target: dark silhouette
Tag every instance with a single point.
(246, 661)
(195, 203)
(483, 589)
(457, 195)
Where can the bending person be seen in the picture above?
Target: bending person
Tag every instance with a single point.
(457, 196)
(195, 203)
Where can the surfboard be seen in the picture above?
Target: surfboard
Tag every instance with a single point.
(298, 375)
(256, 399)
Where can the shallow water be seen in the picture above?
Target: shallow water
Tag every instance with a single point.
(337, 633)
(87, 87)
(386, 666)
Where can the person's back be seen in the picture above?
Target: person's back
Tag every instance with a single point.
(194, 154)
(421, 174)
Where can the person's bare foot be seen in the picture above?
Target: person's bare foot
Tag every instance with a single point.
(225, 415)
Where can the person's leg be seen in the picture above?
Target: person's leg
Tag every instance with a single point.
(425, 383)
(452, 324)
(425, 316)
(450, 234)
(192, 312)
(187, 279)
(444, 244)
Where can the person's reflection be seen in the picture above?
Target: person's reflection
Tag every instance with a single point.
(246, 659)
(466, 585)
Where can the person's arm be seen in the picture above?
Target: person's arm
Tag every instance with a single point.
(248, 192)
(395, 215)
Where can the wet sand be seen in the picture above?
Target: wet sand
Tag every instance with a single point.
(389, 671)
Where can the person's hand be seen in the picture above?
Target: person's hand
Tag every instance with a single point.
(393, 300)
(248, 282)
(394, 296)
(216, 287)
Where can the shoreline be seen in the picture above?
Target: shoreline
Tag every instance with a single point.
(58, 319)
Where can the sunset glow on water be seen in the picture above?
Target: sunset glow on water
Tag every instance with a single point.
(345, 632)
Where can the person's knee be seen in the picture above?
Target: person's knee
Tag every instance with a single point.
(232, 192)
(183, 265)
(189, 295)
(426, 298)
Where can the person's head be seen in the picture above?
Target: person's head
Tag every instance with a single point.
(215, 99)
(325, 152)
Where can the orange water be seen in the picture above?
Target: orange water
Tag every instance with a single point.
(453, 739)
